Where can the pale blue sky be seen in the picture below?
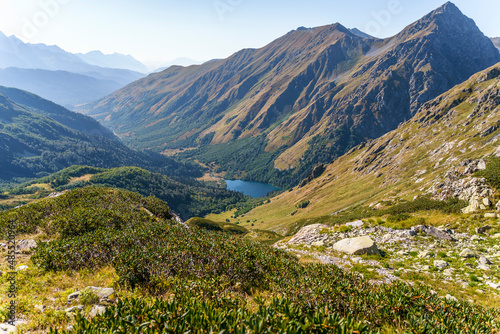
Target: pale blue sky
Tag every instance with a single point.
(161, 30)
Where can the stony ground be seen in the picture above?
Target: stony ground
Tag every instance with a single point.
(469, 261)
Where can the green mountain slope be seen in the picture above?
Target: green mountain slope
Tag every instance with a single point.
(304, 99)
(420, 157)
(33, 143)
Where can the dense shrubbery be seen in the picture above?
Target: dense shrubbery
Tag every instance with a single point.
(84, 210)
(219, 282)
(209, 225)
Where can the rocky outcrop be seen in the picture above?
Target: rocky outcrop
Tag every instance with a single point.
(309, 234)
(357, 246)
(435, 232)
(317, 171)
(460, 183)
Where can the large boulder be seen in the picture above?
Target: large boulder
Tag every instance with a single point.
(357, 246)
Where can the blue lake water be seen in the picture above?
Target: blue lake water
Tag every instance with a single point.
(254, 189)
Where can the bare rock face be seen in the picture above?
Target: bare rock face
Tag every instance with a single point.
(459, 183)
(357, 246)
(432, 231)
(309, 234)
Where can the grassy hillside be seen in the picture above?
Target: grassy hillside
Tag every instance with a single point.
(459, 125)
(170, 278)
(187, 198)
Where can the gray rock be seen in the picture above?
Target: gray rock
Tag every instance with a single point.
(483, 267)
(467, 253)
(440, 264)
(486, 202)
(483, 229)
(102, 293)
(309, 234)
(73, 309)
(41, 308)
(26, 244)
(432, 231)
(490, 215)
(493, 285)
(8, 328)
(21, 268)
(451, 298)
(97, 310)
(318, 243)
(448, 272)
(357, 223)
(424, 254)
(357, 246)
(484, 260)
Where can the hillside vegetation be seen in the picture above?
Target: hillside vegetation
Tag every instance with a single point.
(39, 138)
(187, 198)
(171, 278)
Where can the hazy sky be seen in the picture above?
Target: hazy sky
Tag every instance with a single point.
(161, 30)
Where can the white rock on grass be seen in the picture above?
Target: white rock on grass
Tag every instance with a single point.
(102, 293)
(97, 310)
(357, 223)
(467, 253)
(451, 298)
(357, 246)
(440, 264)
(484, 260)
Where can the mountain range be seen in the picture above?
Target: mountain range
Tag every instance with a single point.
(60, 76)
(38, 137)
(272, 114)
(418, 158)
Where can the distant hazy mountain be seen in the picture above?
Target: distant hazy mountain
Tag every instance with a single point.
(65, 88)
(496, 42)
(38, 137)
(161, 66)
(115, 60)
(359, 33)
(32, 67)
(274, 113)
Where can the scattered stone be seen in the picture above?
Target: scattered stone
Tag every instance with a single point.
(495, 236)
(440, 264)
(357, 223)
(484, 260)
(467, 253)
(403, 252)
(318, 243)
(8, 328)
(73, 309)
(97, 310)
(490, 215)
(41, 308)
(483, 229)
(480, 291)
(451, 298)
(448, 272)
(102, 293)
(493, 285)
(309, 234)
(486, 202)
(475, 238)
(483, 267)
(357, 246)
(26, 244)
(424, 254)
(21, 268)
(426, 268)
(432, 231)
